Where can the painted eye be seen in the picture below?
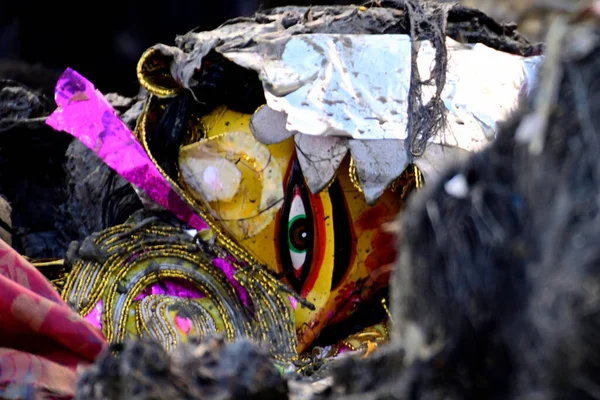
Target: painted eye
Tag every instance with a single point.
(301, 238)
(296, 231)
(299, 233)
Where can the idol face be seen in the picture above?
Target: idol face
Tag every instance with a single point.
(330, 247)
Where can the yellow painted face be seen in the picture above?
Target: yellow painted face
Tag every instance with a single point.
(330, 247)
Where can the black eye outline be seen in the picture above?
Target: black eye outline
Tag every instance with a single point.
(343, 235)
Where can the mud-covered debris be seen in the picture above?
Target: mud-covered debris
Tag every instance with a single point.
(213, 369)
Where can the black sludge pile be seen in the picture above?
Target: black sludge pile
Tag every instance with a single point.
(497, 287)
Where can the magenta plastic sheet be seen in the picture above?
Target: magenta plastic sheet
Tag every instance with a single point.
(95, 316)
(173, 288)
(229, 271)
(84, 113)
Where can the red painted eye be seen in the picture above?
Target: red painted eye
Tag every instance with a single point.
(301, 233)
(296, 230)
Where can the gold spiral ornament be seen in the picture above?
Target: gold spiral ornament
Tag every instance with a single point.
(156, 279)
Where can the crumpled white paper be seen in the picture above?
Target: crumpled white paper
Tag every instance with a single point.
(355, 88)
(357, 85)
(342, 85)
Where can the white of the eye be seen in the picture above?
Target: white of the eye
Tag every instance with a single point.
(298, 259)
(297, 208)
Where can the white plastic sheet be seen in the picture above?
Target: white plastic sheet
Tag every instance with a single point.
(355, 88)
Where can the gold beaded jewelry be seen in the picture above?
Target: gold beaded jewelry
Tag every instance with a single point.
(136, 258)
(153, 74)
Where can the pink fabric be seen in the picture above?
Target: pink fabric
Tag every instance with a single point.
(42, 341)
